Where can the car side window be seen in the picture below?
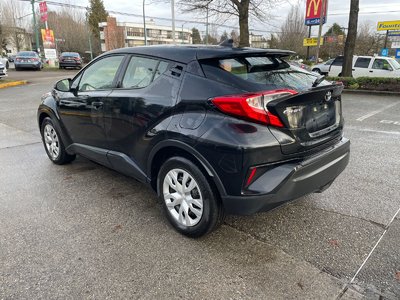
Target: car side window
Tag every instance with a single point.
(381, 64)
(362, 62)
(338, 61)
(141, 72)
(100, 75)
(162, 67)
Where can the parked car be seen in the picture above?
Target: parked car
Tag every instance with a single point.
(370, 66)
(70, 60)
(213, 130)
(299, 64)
(3, 70)
(323, 68)
(11, 58)
(28, 60)
(4, 61)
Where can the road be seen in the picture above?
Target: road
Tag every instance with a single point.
(84, 231)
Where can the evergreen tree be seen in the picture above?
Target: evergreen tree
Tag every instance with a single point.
(97, 14)
(196, 38)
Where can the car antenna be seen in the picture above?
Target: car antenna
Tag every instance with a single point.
(226, 43)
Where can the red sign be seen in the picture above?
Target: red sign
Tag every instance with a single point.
(43, 7)
(313, 11)
(43, 17)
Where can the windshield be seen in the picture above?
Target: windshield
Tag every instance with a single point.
(328, 62)
(395, 64)
(271, 72)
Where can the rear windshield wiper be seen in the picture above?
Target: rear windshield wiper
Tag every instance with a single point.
(318, 80)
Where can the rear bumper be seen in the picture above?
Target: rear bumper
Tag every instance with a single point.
(70, 64)
(27, 65)
(290, 181)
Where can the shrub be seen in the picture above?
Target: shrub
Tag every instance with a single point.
(369, 83)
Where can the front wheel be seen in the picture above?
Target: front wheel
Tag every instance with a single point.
(191, 204)
(53, 144)
(317, 71)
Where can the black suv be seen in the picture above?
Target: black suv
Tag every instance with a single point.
(211, 129)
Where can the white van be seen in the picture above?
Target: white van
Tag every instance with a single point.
(368, 66)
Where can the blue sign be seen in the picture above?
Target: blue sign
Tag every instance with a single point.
(315, 21)
(385, 52)
(397, 53)
(394, 33)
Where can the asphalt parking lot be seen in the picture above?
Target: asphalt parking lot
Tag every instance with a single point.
(83, 231)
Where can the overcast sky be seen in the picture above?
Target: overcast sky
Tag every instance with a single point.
(370, 11)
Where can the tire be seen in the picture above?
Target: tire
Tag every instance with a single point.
(53, 144)
(7, 65)
(317, 71)
(188, 217)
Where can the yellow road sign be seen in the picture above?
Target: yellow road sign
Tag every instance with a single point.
(310, 42)
(389, 25)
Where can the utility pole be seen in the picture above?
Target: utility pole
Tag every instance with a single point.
(321, 21)
(173, 20)
(207, 26)
(144, 25)
(35, 26)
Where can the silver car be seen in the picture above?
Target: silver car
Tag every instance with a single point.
(323, 68)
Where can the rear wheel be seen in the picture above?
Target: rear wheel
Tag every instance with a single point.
(53, 144)
(190, 203)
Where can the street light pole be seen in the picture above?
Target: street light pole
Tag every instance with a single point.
(35, 26)
(144, 25)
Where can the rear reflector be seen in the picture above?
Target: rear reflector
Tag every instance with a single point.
(251, 176)
(252, 106)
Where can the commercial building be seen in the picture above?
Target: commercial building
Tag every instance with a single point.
(115, 34)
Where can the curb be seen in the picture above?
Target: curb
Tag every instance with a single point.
(13, 83)
(372, 92)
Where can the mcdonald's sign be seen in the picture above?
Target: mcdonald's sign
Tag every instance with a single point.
(313, 12)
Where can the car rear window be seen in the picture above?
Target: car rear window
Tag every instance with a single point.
(70, 54)
(28, 54)
(268, 72)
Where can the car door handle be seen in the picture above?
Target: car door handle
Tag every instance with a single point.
(371, 71)
(353, 69)
(97, 105)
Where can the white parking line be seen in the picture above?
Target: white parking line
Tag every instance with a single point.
(381, 131)
(375, 112)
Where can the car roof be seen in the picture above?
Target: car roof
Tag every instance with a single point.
(188, 53)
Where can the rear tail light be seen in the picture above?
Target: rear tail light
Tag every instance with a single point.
(77, 59)
(35, 59)
(18, 59)
(252, 106)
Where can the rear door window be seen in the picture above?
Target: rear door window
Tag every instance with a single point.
(362, 62)
(141, 71)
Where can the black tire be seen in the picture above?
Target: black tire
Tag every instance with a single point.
(63, 157)
(7, 65)
(213, 213)
(317, 71)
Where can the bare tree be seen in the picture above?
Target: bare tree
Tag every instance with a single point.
(351, 39)
(293, 30)
(70, 30)
(369, 41)
(14, 25)
(242, 9)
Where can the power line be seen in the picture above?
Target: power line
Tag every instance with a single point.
(55, 3)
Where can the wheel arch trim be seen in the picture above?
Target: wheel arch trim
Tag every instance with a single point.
(187, 148)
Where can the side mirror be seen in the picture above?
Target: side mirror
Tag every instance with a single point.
(63, 85)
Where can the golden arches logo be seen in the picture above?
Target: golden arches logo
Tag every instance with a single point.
(315, 4)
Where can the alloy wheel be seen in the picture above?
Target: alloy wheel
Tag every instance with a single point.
(183, 197)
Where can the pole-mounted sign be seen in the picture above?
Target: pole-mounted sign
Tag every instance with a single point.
(313, 12)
